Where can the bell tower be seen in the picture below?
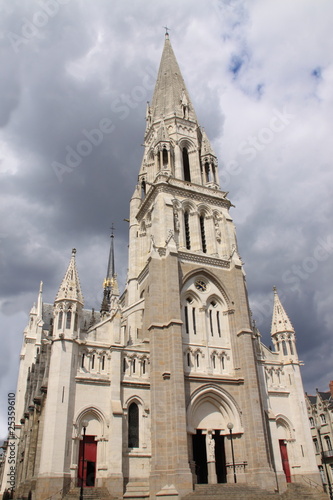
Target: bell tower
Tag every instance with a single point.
(187, 275)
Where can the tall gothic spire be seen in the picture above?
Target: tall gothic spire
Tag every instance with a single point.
(171, 97)
(70, 288)
(280, 321)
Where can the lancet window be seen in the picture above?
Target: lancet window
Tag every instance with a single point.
(60, 318)
(68, 319)
(133, 426)
(203, 233)
(186, 166)
(187, 229)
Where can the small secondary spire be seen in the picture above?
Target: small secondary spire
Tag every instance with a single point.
(110, 285)
(280, 320)
(111, 270)
(70, 288)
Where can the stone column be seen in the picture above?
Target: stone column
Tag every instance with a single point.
(210, 450)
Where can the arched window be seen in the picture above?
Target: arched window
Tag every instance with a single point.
(328, 443)
(188, 359)
(133, 366)
(60, 317)
(144, 367)
(186, 319)
(311, 422)
(165, 157)
(284, 347)
(203, 234)
(92, 361)
(143, 189)
(211, 322)
(190, 318)
(103, 362)
(315, 442)
(76, 319)
(197, 359)
(186, 166)
(133, 426)
(207, 172)
(323, 418)
(214, 361)
(214, 172)
(291, 347)
(124, 365)
(218, 323)
(187, 230)
(222, 362)
(68, 319)
(82, 361)
(193, 321)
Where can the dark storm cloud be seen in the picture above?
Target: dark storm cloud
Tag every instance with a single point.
(84, 73)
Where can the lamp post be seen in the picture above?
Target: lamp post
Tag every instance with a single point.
(84, 425)
(230, 427)
(318, 427)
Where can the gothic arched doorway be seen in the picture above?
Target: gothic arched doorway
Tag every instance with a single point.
(210, 411)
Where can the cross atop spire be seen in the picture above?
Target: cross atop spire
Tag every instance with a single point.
(166, 32)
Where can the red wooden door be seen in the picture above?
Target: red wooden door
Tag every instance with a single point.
(285, 459)
(87, 469)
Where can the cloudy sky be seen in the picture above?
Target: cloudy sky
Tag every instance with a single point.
(260, 75)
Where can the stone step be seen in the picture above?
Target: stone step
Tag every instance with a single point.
(137, 489)
(229, 491)
(297, 491)
(294, 491)
(88, 494)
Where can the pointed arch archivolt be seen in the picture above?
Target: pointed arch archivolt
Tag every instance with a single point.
(211, 277)
(211, 407)
(187, 143)
(97, 422)
(284, 427)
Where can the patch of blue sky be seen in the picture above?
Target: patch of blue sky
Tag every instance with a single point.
(316, 72)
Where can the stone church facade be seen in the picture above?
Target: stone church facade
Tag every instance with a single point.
(170, 379)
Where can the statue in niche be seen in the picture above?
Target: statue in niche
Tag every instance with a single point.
(176, 220)
(148, 114)
(184, 105)
(211, 448)
(217, 230)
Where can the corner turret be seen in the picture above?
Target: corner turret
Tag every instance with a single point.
(282, 331)
(68, 303)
